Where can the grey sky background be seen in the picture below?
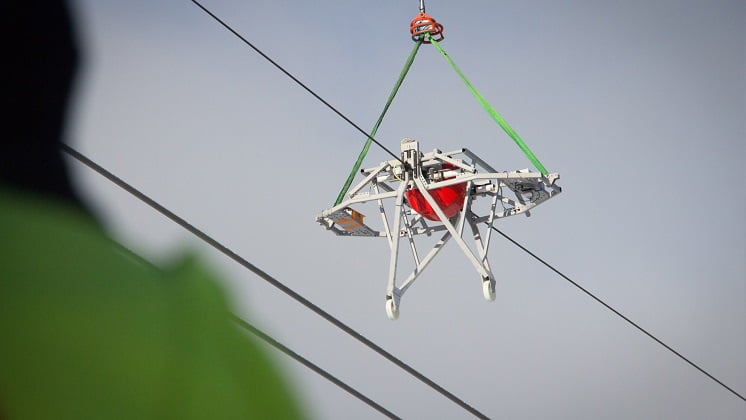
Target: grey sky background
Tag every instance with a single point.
(639, 105)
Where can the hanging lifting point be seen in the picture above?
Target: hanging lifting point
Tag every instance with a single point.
(488, 289)
(392, 311)
(424, 24)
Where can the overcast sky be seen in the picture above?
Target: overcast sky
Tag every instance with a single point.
(640, 105)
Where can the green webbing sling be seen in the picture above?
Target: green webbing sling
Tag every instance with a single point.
(487, 107)
(364, 152)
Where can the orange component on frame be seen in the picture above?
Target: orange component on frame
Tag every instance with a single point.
(353, 222)
(425, 24)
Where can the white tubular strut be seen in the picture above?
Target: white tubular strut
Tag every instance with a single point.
(451, 229)
(392, 293)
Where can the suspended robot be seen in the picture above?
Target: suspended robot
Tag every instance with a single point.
(435, 193)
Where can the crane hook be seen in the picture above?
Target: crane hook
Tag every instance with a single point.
(425, 24)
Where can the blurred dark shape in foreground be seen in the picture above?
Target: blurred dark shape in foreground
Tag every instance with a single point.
(40, 63)
(88, 332)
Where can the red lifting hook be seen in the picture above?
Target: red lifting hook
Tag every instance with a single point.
(425, 24)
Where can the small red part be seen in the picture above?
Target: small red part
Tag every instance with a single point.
(450, 199)
(423, 24)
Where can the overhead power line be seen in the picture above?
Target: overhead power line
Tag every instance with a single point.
(609, 307)
(305, 362)
(269, 279)
(295, 79)
(276, 344)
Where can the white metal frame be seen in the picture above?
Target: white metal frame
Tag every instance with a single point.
(425, 172)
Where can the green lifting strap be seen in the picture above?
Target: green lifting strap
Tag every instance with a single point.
(490, 110)
(364, 152)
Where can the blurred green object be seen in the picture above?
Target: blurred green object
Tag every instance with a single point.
(86, 332)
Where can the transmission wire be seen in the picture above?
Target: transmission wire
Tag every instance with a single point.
(269, 279)
(609, 307)
(296, 80)
(307, 363)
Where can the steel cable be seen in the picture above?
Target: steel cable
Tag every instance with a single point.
(609, 307)
(295, 79)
